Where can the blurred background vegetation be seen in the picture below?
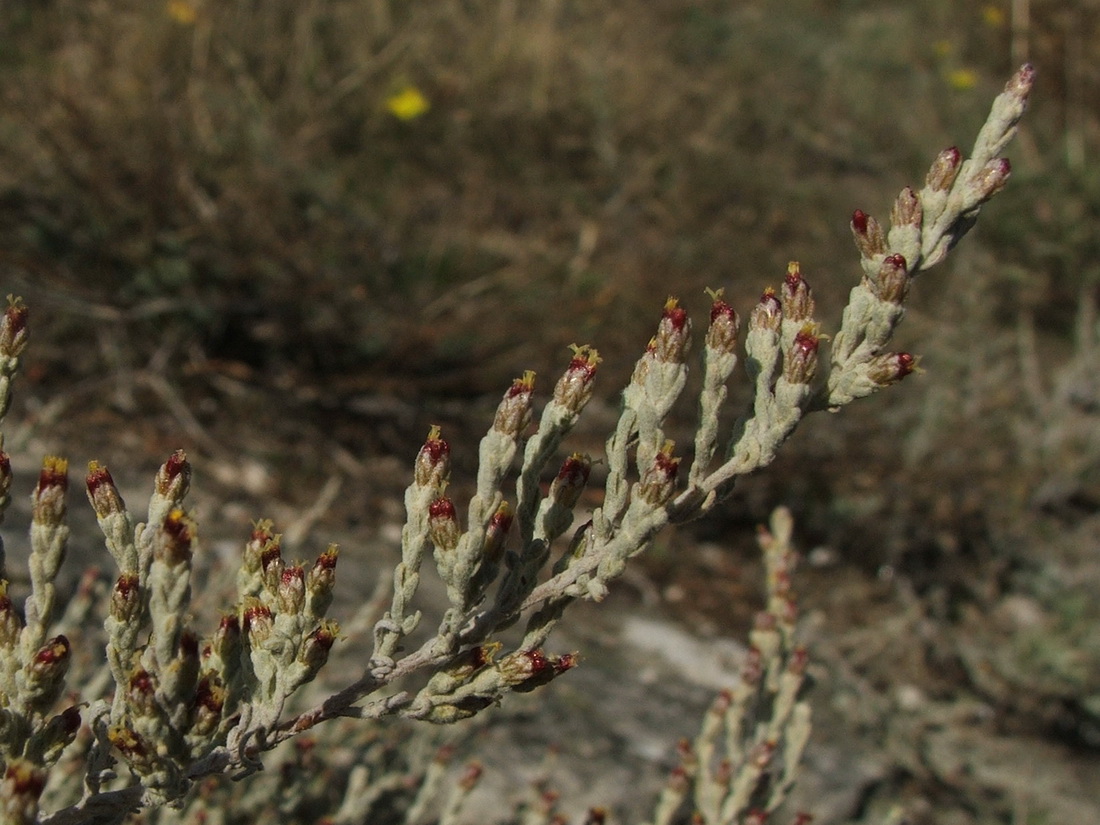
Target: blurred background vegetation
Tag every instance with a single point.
(292, 223)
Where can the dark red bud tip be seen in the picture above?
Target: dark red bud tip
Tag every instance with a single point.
(293, 575)
(501, 520)
(270, 555)
(906, 363)
(1021, 82)
(675, 314)
(952, 155)
(98, 475)
(324, 637)
(177, 526)
(800, 658)
(897, 261)
(16, 315)
(442, 508)
(254, 613)
(55, 473)
(142, 682)
(176, 464)
(435, 448)
(806, 342)
(720, 309)
(667, 464)
(55, 650)
(859, 221)
(261, 532)
(327, 560)
(24, 780)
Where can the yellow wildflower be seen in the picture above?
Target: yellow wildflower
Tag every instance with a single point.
(993, 16)
(962, 79)
(408, 103)
(182, 11)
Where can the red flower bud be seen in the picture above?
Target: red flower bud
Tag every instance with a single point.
(768, 312)
(432, 467)
(800, 363)
(571, 479)
(102, 492)
(724, 325)
(497, 532)
(907, 209)
(795, 296)
(291, 594)
(659, 480)
(891, 367)
(945, 168)
(48, 507)
(868, 234)
(176, 536)
(443, 524)
(514, 413)
(891, 283)
(13, 329)
(673, 337)
(574, 388)
(126, 598)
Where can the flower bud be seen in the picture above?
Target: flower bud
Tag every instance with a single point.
(724, 325)
(569, 483)
(315, 649)
(659, 480)
(176, 537)
(907, 210)
(206, 708)
(291, 593)
(432, 467)
(226, 641)
(256, 621)
(48, 506)
(868, 234)
(320, 582)
(891, 283)
(13, 329)
(174, 477)
(800, 363)
(945, 168)
(673, 339)
(497, 532)
(20, 790)
(102, 492)
(768, 312)
(10, 623)
(890, 367)
(514, 413)
(271, 563)
(46, 673)
(574, 388)
(991, 179)
(443, 524)
(126, 599)
(795, 296)
(141, 693)
(526, 670)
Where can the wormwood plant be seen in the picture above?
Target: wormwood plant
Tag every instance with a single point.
(175, 706)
